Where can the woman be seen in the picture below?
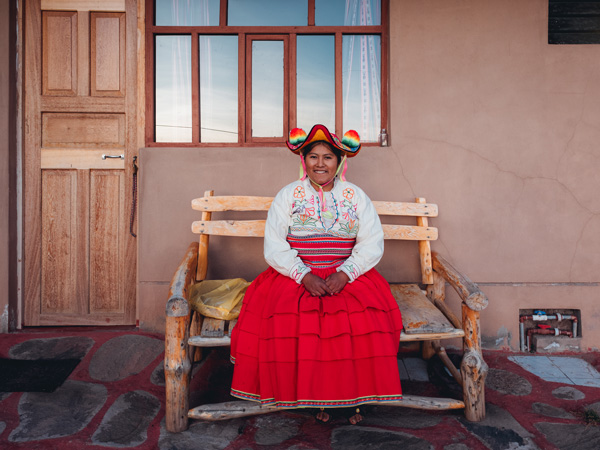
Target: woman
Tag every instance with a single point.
(320, 327)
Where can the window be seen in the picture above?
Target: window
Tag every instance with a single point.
(244, 72)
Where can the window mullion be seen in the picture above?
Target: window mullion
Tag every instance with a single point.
(223, 13)
(384, 42)
(286, 86)
(311, 13)
(293, 88)
(242, 83)
(248, 90)
(339, 103)
(195, 90)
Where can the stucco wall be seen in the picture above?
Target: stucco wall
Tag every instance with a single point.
(490, 122)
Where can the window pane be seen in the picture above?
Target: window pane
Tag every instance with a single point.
(173, 89)
(315, 95)
(347, 12)
(187, 12)
(361, 75)
(267, 88)
(267, 12)
(218, 88)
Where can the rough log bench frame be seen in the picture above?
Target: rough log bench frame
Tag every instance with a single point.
(425, 315)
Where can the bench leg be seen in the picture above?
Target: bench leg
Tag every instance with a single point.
(427, 350)
(473, 368)
(177, 374)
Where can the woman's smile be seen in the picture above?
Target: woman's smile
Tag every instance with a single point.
(321, 165)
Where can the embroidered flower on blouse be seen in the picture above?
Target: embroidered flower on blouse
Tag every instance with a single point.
(299, 192)
(303, 219)
(348, 193)
(350, 227)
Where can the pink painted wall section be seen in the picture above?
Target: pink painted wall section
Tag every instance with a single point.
(507, 127)
(490, 122)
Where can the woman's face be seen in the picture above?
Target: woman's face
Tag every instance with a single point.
(321, 164)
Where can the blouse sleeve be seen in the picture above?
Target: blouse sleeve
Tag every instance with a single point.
(278, 253)
(368, 249)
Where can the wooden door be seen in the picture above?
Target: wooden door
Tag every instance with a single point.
(79, 104)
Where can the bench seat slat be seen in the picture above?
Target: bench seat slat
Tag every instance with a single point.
(256, 228)
(246, 203)
(419, 315)
(225, 341)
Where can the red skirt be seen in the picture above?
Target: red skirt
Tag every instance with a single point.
(291, 349)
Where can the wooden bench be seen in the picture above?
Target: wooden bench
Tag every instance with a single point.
(425, 315)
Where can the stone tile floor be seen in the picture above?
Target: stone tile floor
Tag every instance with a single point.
(560, 369)
(115, 399)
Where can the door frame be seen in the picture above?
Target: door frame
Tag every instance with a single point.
(29, 171)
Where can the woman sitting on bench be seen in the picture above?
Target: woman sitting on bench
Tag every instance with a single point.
(320, 327)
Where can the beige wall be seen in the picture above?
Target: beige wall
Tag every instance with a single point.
(490, 122)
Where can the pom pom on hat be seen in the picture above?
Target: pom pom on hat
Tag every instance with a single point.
(297, 136)
(351, 139)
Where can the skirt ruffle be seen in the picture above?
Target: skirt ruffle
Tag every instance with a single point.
(291, 349)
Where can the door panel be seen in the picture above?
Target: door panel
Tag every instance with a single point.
(107, 54)
(79, 102)
(106, 240)
(68, 130)
(59, 66)
(59, 235)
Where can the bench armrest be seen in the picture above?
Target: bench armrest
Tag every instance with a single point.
(178, 357)
(467, 290)
(184, 277)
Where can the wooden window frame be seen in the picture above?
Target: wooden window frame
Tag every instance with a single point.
(246, 33)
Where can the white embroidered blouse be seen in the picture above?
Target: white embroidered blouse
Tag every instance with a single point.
(348, 213)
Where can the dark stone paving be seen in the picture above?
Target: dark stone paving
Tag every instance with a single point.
(595, 407)
(126, 422)
(567, 436)
(60, 413)
(551, 411)
(507, 383)
(52, 348)
(77, 414)
(275, 428)
(202, 435)
(457, 447)
(365, 438)
(158, 374)
(568, 393)
(124, 356)
(388, 416)
(499, 430)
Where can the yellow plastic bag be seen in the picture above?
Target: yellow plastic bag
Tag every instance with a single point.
(219, 299)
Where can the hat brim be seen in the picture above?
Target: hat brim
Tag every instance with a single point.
(320, 133)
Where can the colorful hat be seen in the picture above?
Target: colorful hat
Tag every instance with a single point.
(298, 140)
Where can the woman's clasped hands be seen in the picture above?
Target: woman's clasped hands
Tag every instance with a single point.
(318, 286)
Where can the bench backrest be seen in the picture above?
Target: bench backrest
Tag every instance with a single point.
(208, 204)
